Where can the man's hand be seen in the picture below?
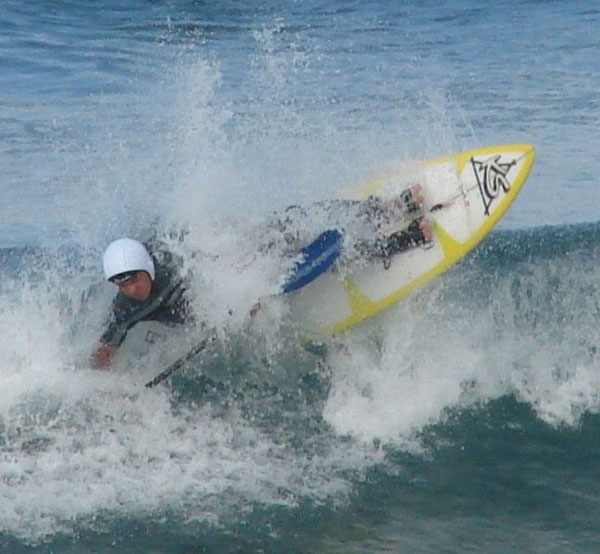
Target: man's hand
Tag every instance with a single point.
(103, 355)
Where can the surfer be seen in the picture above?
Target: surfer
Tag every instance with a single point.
(150, 288)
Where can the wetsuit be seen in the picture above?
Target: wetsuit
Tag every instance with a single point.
(166, 303)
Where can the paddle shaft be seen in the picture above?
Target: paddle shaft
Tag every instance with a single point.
(178, 364)
(316, 259)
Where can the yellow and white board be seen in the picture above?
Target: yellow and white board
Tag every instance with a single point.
(465, 194)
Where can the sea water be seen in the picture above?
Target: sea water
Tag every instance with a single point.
(464, 419)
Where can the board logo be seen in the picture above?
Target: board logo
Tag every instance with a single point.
(491, 175)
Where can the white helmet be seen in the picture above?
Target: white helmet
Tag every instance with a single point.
(126, 255)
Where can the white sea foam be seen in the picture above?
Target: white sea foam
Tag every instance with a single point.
(531, 334)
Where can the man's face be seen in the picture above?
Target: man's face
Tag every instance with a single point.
(138, 286)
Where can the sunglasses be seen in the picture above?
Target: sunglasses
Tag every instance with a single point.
(122, 278)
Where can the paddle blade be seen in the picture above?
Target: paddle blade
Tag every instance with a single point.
(315, 259)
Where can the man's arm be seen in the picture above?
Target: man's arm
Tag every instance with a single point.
(113, 336)
(103, 356)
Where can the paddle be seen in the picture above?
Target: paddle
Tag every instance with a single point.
(314, 259)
